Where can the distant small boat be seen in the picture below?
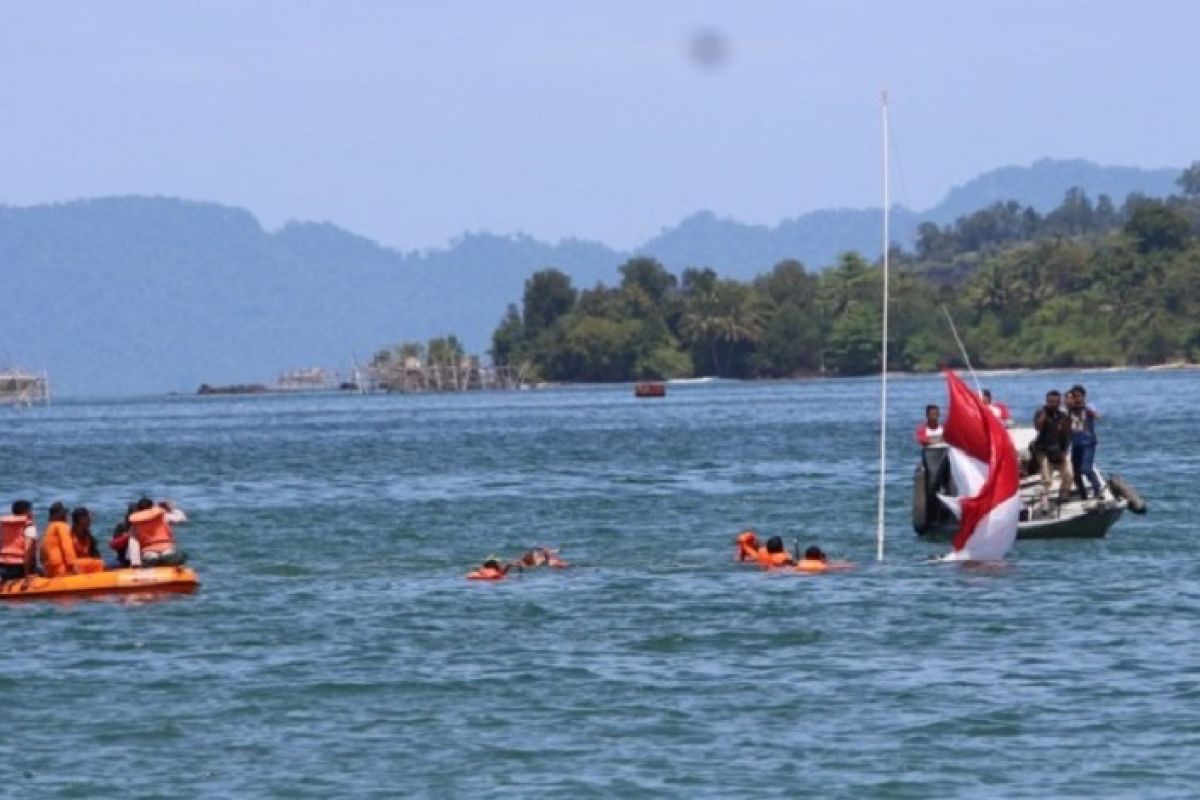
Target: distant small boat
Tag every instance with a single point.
(650, 390)
(237, 388)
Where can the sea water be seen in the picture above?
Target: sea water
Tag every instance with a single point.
(335, 649)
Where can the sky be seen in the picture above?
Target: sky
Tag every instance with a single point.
(414, 122)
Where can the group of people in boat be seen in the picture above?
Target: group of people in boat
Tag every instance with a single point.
(1064, 441)
(143, 538)
(493, 569)
(773, 555)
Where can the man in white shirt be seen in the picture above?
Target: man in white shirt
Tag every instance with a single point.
(999, 409)
(929, 432)
(18, 542)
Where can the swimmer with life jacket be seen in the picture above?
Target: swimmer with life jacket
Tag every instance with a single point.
(490, 570)
(774, 555)
(542, 557)
(815, 560)
(747, 545)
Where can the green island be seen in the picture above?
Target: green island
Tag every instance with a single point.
(1088, 284)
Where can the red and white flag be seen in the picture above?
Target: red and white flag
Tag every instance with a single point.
(984, 464)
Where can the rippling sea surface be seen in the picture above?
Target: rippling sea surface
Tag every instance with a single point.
(335, 649)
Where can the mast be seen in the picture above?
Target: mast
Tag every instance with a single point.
(879, 526)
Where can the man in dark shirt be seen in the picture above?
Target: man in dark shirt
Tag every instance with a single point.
(1050, 446)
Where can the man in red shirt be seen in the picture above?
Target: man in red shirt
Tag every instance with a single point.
(929, 432)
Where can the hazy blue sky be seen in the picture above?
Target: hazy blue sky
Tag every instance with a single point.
(411, 122)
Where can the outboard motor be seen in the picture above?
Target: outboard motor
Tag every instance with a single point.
(932, 477)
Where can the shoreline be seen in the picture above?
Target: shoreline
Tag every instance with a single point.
(681, 382)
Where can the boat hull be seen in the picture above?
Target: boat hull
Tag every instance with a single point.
(154, 580)
(1042, 516)
(645, 390)
(1093, 524)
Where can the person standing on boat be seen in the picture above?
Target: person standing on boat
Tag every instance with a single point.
(999, 409)
(1051, 444)
(18, 542)
(929, 432)
(1083, 418)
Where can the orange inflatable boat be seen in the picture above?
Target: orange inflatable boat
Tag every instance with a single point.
(168, 580)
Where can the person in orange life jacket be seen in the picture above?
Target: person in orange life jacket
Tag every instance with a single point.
(58, 548)
(929, 432)
(87, 554)
(152, 542)
(999, 409)
(541, 557)
(123, 530)
(18, 542)
(491, 570)
(747, 546)
(121, 535)
(815, 560)
(774, 554)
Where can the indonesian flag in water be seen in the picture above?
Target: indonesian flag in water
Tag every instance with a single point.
(984, 464)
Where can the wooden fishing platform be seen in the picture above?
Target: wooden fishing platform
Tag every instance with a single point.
(21, 388)
(470, 376)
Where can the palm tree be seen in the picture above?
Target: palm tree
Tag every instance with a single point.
(728, 315)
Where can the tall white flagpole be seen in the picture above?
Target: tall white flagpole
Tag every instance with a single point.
(883, 410)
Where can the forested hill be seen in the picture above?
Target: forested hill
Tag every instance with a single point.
(818, 238)
(140, 294)
(1091, 283)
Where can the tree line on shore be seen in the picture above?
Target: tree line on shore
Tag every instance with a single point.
(440, 351)
(1087, 284)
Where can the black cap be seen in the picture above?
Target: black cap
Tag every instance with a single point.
(1079, 389)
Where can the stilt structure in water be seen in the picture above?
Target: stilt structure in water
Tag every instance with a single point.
(411, 376)
(21, 388)
(314, 379)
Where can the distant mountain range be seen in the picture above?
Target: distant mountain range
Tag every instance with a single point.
(130, 295)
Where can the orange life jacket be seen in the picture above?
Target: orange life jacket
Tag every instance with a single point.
(747, 544)
(811, 565)
(769, 560)
(12, 538)
(152, 531)
(58, 550)
(486, 574)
